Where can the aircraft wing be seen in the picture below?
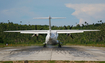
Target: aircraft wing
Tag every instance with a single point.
(73, 31)
(46, 31)
(30, 31)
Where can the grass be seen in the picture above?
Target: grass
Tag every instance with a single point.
(95, 45)
(22, 45)
(6, 61)
(47, 61)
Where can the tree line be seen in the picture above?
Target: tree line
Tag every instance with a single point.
(97, 37)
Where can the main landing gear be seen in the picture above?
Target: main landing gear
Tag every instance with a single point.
(59, 45)
(44, 45)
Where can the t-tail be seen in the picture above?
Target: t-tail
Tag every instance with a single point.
(50, 20)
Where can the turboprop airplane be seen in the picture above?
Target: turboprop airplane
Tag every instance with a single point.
(51, 38)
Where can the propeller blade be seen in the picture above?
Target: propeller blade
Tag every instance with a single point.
(71, 26)
(65, 27)
(67, 35)
(35, 27)
(37, 37)
(71, 36)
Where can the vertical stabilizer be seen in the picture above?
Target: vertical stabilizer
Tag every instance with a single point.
(49, 20)
(50, 24)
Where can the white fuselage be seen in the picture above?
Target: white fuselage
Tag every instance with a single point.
(51, 38)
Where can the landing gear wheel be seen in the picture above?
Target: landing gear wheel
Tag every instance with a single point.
(44, 45)
(59, 45)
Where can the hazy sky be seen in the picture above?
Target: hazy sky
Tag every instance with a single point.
(75, 11)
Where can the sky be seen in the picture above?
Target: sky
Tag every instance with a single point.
(75, 11)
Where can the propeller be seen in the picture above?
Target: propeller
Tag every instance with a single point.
(68, 34)
(36, 34)
(69, 28)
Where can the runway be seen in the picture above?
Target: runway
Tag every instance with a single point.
(72, 53)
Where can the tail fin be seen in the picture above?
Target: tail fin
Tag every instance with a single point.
(50, 24)
(50, 20)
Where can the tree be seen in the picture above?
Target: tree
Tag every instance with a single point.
(100, 20)
(8, 21)
(1, 40)
(78, 25)
(87, 37)
(82, 25)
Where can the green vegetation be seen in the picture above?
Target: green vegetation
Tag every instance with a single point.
(6, 62)
(45, 61)
(86, 38)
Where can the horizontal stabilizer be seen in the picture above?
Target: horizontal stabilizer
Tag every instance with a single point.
(58, 17)
(41, 18)
(50, 18)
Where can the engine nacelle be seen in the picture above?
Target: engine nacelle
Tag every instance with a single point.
(35, 35)
(68, 34)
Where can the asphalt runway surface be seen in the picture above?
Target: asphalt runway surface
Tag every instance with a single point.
(72, 53)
